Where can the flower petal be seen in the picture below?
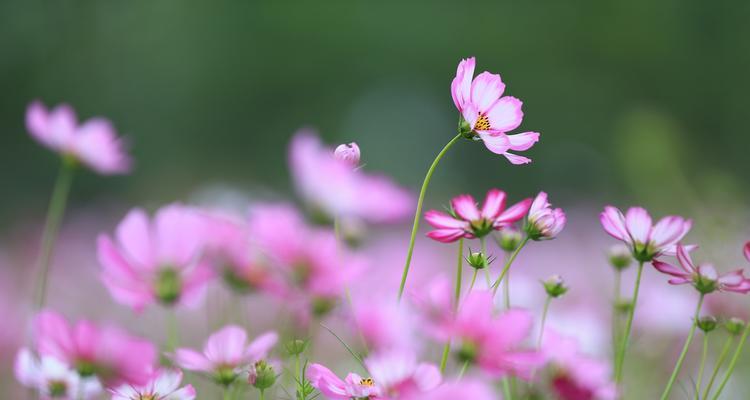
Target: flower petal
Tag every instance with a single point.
(523, 141)
(638, 222)
(486, 89)
(613, 223)
(466, 207)
(494, 204)
(505, 115)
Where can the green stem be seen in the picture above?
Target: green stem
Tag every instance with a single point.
(678, 365)
(508, 263)
(701, 368)
(473, 279)
(506, 291)
(262, 395)
(227, 393)
(507, 393)
(456, 299)
(620, 359)
(55, 214)
(616, 315)
(483, 249)
(173, 337)
(719, 362)
(733, 363)
(544, 320)
(463, 370)
(418, 213)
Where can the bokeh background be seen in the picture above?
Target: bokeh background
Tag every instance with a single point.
(638, 102)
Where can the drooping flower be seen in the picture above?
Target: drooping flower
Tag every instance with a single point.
(105, 352)
(576, 376)
(644, 240)
(468, 221)
(703, 277)
(334, 388)
(332, 185)
(487, 114)
(348, 152)
(164, 386)
(544, 222)
(93, 143)
(157, 260)
(52, 379)
(226, 353)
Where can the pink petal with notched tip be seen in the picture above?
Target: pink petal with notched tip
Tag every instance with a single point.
(494, 203)
(466, 207)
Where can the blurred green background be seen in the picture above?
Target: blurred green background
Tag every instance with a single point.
(637, 101)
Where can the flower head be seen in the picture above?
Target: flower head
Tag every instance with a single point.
(105, 352)
(164, 386)
(487, 114)
(226, 353)
(52, 379)
(334, 388)
(93, 143)
(157, 260)
(555, 286)
(466, 220)
(399, 374)
(620, 256)
(544, 222)
(703, 277)
(635, 229)
(348, 152)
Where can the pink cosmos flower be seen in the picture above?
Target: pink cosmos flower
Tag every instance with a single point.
(645, 241)
(383, 324)
(331, 184)
(468, 221)
(94, 143)
(226, 353)
(157, 260)
(703, 277)
(488, 114)
(164, 386)
(576, 376)
(348, 152)
(333, 387)
(106, 352)
(53, 379)
(543, 221)
(464, 389)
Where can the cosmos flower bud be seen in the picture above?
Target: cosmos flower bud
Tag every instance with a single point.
(734, 326)
(509, 239)
(707, 323)
(555, 286)
(543, 221)
(619, 256)
(478, 260)
(262, 376)
(296, 346)
(348, 152)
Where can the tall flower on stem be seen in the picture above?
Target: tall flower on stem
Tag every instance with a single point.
(486, 115)
(645, 241)
(52, 379)
(94, 144)
(164, 386)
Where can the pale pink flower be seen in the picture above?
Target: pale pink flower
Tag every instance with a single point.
(646, 241)
(106, 352)
(226, 353)
(464, 389)
(576, 376)
(348, 152)
(703, 277)
(156, 260)
(52, 379)
(334, 187)
(544, 222)
(468, 221)
(488, 114)
(333, 387)
(383, 323)
(398, 374)
(93, 143)
(164, 386)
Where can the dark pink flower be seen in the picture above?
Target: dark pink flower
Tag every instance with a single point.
(93, 143)
(468, 221)
(489, 115)
(646, 241)
(704, 277)
(106, 352)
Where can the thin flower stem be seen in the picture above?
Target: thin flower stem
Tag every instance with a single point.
(620, 359)
(733, 362)
(340, 245)
(678, 365)
(55, 214)
(483, 248)
(473, 279)
(456, 299)
(616, 315)
(418, 213)
(507, 393)
(719, 362)
(173, 337)
(704, 355)
(462, 371)
(506, 291)
(544, 319)
(227, 393)
(508, 263)
(262, 395)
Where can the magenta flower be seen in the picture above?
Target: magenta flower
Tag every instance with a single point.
(53, 379)
(158, 260)
(105, 352)
(226, 353)
(645, 241)
(333, 387)
(576, 376)
(488, 114)
(703, 277)
(164, 386)
(746, 251)
(332, 185)
(468, 221)
(94, 143)
(348, 152)
(544, 222)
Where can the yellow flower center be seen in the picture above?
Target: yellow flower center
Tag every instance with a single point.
(367, 382)
(482, 124)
